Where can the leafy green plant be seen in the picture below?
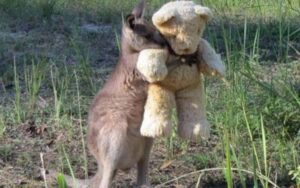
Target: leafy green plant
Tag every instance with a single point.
(33, 80)
(61, 181)
(228, 172)
(48, 8)
(295, 175)
(60, 80)
(19, 113)
(2, 126)
(6, 151)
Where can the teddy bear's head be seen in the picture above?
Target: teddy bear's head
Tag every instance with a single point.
(182, 23)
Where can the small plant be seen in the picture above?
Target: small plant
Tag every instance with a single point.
(2, 126)
(5, 152)
(85, 71)
(48, 8)
(60, 81)
(295, 175)
(228, 171)
(33, 80)
(61, 181)
(19, 114)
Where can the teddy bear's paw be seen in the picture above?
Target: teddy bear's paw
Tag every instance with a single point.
(152, 64)
(159, 75)
(155, 129)
(195, 132)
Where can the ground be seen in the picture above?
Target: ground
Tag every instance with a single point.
(55, 55)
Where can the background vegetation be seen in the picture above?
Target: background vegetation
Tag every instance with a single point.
(56, 54)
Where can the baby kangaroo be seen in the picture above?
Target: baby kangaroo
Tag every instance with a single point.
(116, 112)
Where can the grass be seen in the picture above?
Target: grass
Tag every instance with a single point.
(51, 67)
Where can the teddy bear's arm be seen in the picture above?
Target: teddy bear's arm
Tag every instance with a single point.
(211, 63)
(152, 64)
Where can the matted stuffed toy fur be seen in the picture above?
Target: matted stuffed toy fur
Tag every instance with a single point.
(178, 86)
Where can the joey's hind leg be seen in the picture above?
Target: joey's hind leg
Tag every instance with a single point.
(107, 176)
(142, 176)
(110, 146)
(96, 180)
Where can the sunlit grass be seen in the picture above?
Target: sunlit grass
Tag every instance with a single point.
(255, 116)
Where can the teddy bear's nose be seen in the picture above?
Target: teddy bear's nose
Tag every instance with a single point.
(186, 50)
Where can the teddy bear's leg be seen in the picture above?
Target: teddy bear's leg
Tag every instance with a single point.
(192, 121)
(157, 120)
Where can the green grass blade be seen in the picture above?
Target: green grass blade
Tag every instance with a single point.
(251, 138)
(264, 145)
(239, 167)
(228, 172)
(61, 181)
(70, 167)
(80, 124)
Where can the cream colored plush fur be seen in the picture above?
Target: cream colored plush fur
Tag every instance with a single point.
(180, 86)
(182, 23)
(155, 69)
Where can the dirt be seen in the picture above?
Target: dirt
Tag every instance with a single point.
(21, 145)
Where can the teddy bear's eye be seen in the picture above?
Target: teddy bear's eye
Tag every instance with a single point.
(199, 30)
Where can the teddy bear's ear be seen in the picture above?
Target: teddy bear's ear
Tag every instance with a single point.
(161, 18)
(204, 12)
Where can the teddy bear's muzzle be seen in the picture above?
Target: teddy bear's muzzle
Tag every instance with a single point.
(185, 47)
(182, 50)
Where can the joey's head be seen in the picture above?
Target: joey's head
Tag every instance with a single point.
(138, 33)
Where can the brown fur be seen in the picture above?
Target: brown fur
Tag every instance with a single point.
(116, 113)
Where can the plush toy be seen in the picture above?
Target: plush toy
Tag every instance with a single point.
(176, 85)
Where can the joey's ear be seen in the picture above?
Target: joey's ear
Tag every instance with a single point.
(137, 28)
(130, 21)
(139, 9)
(137, 13)
(204, 12)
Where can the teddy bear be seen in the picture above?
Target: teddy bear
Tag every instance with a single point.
(174, 82)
